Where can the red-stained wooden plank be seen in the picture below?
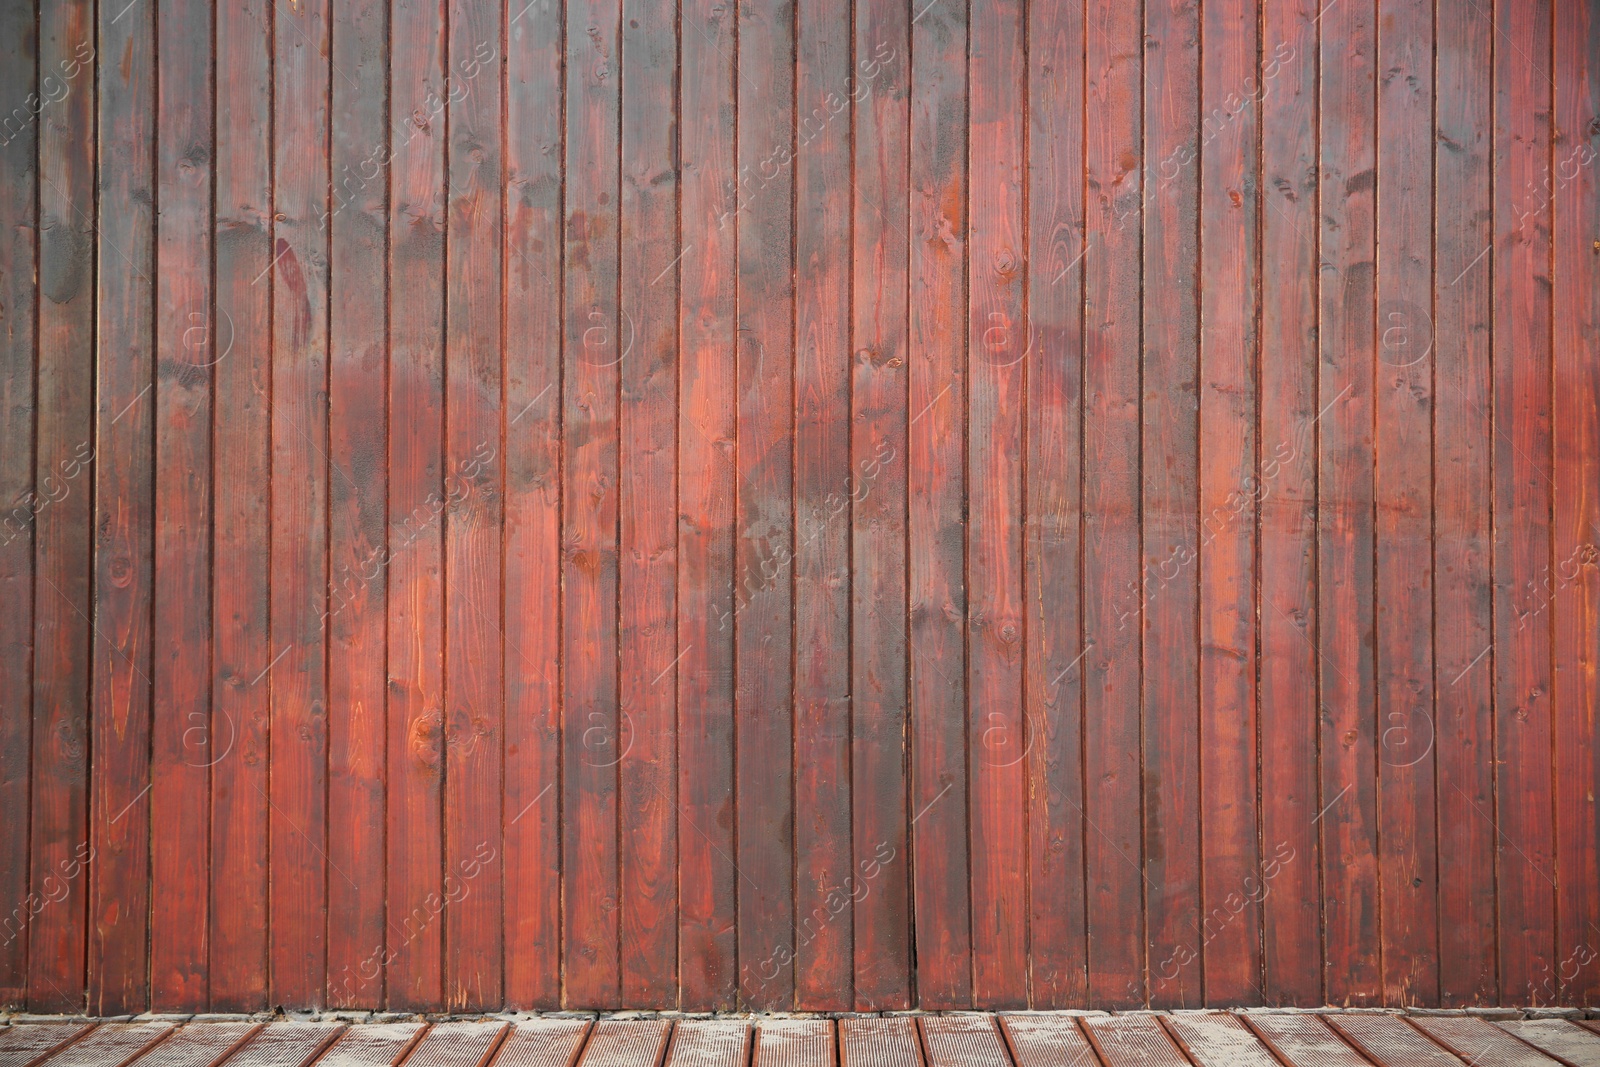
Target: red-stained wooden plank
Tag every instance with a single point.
(647, 631)
(473, 712)
(458, 1044)
(1463, 506)
(200, 1045)
(1523, 567)
(936, 476)
(1230, 494)
(380, 1045)
(113, 1045)
(1047, 1041)
(241, 456)
(286, 1044)
(999, 339)
(764, 505)
(297, 898)
(543, 1043)
(616, 1043)
(880, 878)
(1113, 173)
(414, 563)
(19, 246)
(1217, 1040)
(1575, 434)
(30, 1043)
(1133, 1041)
(891, 1041)
(706, 876)
(1387, 1040)
(186, 349)
(65, 443)
(532, 416)
(1169, 505)
(592, 349)
(124, 462)
(1559, 1038)
(1345, 379)
(1286, 477)
(1053, 682)
(709, 1043)
(963, 1041)
(1402, 487)
(1304, 1041)
(823, 490)
(358, 519)
(795, 1043)
(1479, 1041)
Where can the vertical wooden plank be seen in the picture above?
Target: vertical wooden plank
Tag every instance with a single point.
(123, 485)
(1526, 873)
(1576, 437)
(358, 505)
(877, 480)
(1169, 584)
(1286, 475)
(1345, 501)
(592, 350)
(647, 631)
(823, 489)
(936, 474)
(764, 508)
(474, 716)
(63, 448)
(706, 876)
(185, 352)
(532, 269)
(241, 456)
(415, 154)
(1113, 173)
(297, 899)
(19, 244)
(998, 345)
(1053, 709)
(795, 1043)
(1230, 493)
(1402, 487)
(1463, 505)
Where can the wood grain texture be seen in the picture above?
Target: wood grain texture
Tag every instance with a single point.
(591, 352)
(999, 341)
(474, 484)
(824, 488)
(1286, 473)
(1169, 504)
(19, 249)
(1463, 549)
(185, 353)
(647, 629)
(412, 962)
(1053, 679)
(842, 505)
(708, 967)
(936, 475)
(241, 650)
(123, 476)
(1523, 568)
(1347, 740)
(357, 226)
(298, 790)
(877, 488)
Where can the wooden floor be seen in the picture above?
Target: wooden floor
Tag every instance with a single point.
(825, 505)
(1205, 1039)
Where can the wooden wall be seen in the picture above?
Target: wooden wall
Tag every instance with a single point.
(825, 504)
